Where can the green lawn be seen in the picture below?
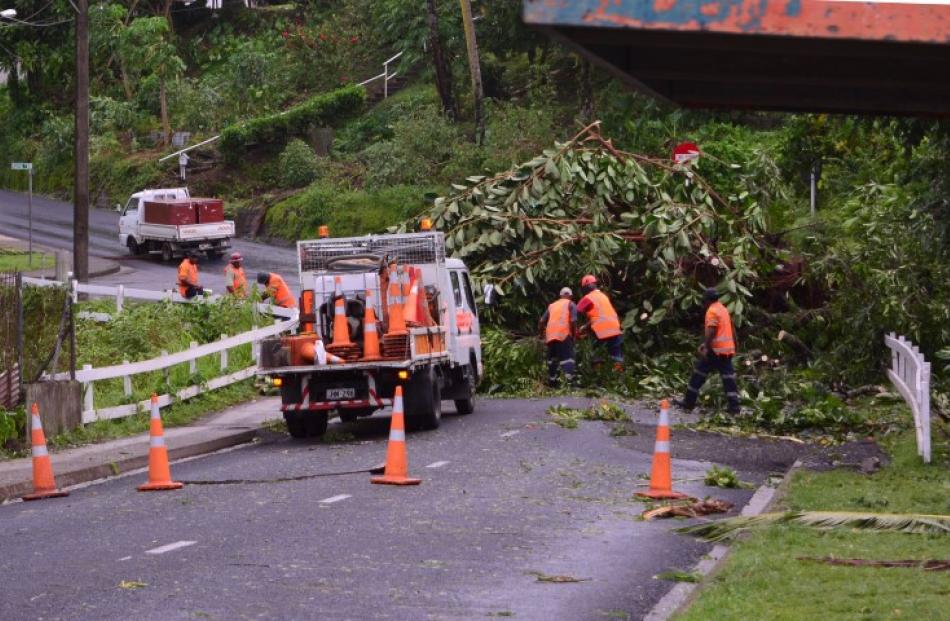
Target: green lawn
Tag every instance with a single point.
(18, 261)
(764, 578)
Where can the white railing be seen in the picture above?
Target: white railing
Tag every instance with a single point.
(910, 374)
(385, 76)
(88, 375)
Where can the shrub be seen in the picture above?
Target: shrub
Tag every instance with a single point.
(323, 110)
(298, 164)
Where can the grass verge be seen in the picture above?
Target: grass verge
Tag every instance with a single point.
(18, 261)
(764, 578)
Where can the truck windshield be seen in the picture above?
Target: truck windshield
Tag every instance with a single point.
(468, 292)
(129, 206)
(455, 288)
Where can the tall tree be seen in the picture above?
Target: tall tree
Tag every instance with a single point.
(474, 68)
(147, 47)
(443, 73)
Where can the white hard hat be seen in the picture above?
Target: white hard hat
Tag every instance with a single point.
(566, 291)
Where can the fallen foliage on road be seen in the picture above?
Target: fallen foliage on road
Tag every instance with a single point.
(688, 510)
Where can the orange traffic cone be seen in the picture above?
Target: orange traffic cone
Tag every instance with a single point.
(397, 322)
(370, 334)
(410, 310)
(44, 486)
(341, 328)
(397, 463)
(661, 479)
(159, 472)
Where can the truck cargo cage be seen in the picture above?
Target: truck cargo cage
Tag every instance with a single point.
(406, 248)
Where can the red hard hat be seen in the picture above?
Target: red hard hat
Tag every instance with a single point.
(588, 280)
(236, 256)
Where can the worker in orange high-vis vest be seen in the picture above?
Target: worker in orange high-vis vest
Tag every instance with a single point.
(559, 324)
(715, 354)
(188, 285)
(277, 289)
(603, 320)
(234, 279)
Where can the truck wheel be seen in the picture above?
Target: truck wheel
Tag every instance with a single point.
(466, 405)
(316, 423)
(423, 401)
(167, 253)
(133, 246)
(295, 425)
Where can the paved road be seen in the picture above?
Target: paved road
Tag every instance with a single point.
(53, 227)
(507, 497)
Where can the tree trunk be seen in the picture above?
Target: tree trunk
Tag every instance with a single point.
(474, 68)
(587, 110)
(166, 124)
(443, 74)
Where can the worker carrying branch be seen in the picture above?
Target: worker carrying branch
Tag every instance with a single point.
(559, 324)
(715, 353)
(603, 320)
(234, 279)
(188, 285)
(276, 289)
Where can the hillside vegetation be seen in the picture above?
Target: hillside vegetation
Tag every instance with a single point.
(874, 259)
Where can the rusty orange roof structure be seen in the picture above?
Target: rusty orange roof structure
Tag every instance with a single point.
(798, 55)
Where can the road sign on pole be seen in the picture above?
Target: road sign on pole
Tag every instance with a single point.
(28, 167)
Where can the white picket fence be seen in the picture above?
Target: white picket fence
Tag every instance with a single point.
(910, 374)
(88, 375)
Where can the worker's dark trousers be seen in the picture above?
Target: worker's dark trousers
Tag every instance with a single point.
(613, 345)
(192, 291)
(561, 358)
(713, 362)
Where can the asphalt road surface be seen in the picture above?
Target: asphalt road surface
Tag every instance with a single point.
(508, 500)
(53, 227)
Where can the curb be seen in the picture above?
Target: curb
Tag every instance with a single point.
(682, 594)
(94, 472)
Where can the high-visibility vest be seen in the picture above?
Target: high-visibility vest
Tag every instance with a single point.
(559, 321)
(717, 316)
(278, 289)
(603, 318)
(236, 280)
(187, 276)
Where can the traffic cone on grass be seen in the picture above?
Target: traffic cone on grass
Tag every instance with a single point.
(159, 472)
(44, 485)
(661, 478)
(397, 462)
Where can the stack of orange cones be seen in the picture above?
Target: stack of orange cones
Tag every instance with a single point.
(342, 346)
(397, 462)
(661, 477)
(44, 485)
(159, 472)
(397, 322)
(411, 308)
(370, 333)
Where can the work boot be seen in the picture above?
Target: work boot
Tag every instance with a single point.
(686, 407)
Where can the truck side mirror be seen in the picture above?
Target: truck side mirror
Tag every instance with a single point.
(488, 291)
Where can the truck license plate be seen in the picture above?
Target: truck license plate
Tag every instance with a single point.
(337, 394)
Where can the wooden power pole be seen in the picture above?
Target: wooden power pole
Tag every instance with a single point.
(81, 181)
(474, 68)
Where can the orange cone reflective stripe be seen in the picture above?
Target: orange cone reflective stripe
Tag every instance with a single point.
(661, 478)
(397, 462)
(44, 484)
(341, 328)
(159, 471)
(370, 333)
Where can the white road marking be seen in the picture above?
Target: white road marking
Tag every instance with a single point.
(337, 498)
(126, 558)
(508, 434)
(170, 547)
(437, 464)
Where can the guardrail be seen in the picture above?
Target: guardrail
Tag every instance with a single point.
(88, 375)
(910, 374)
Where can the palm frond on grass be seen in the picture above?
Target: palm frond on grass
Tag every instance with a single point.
(720, 530)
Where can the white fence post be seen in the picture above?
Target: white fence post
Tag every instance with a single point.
(910, 374)
(119, 298)
(193, 363)
(224, 355)
(127, 382)
(925, 409)
(87, 402)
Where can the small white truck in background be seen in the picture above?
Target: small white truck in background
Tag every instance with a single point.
(439, 359)
(169, 222)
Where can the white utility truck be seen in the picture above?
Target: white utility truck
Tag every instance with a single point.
(438, 356)
(170, 222)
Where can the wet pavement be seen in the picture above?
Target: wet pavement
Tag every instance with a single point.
(508, 500)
